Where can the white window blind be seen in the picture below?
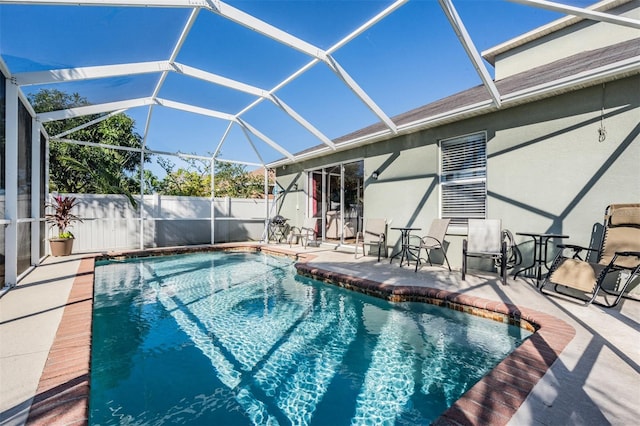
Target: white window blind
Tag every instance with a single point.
(463, 178)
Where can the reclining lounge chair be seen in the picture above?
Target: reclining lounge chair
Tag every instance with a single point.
(619, 253)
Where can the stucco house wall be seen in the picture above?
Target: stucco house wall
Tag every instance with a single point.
(566, 38)
(547, 170)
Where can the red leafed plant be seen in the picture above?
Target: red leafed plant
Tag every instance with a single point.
(62, 218)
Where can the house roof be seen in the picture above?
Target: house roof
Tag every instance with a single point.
(259, 172)
(572, 73)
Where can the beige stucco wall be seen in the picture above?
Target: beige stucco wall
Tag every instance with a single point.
(547, 170)
(584, 36)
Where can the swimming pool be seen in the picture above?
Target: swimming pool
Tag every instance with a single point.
(239, 338)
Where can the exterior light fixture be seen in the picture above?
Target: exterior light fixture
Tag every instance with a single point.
(375, 175)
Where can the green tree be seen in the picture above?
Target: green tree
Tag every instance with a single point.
(194, 181)
(83, 169)
(231, 180)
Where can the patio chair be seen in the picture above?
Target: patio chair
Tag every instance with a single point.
(485, 239)
(304, 233)
(434, 240)
(619, 253)
(374, 234)
(338, 227)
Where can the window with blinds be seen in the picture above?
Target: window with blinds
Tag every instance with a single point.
(463, 178)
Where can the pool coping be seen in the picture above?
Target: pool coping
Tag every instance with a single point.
(62, 396)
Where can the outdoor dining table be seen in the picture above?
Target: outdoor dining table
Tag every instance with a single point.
(404, 251)
(540, 241)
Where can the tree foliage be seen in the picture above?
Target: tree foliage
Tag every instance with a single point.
(84, 169)
(194, 181)
(231, 180)
(75, 168)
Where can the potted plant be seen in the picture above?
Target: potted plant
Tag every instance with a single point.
(62, 219)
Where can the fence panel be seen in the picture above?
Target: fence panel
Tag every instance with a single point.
(110, 222)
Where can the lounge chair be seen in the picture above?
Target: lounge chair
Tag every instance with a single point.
(619, 253)
(485, 239)
(304, 233)
(433, 241)
(374, 234)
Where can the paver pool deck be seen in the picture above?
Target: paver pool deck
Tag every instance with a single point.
(45, 338)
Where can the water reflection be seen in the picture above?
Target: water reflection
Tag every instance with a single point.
(280, 349)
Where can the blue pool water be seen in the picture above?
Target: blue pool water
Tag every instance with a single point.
(239, 339)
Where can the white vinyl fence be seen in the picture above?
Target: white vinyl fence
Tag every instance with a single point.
(110, 222)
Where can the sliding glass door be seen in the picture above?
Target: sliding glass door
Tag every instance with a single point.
(336, 198)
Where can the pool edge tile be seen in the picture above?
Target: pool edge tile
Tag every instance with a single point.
(62, 396)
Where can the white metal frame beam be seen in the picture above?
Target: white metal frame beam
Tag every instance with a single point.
(383, 14)
(222, 139)
(174, 54)
(131, 149)
(240, 18)
(245, 163)
(152, 151)
(315, 52)
(87, 73)
(253, 146)
(261, 27)
(304, 123)
(121, 3)
(116, 106)
(11, 184)
(90, 123)
(265, 138)
(360, 93)
(156, 91)
(194, 109)
(74, 74)
(582, 12)
(248, 21)
(464, 37)
(36, 169)
(92, 109)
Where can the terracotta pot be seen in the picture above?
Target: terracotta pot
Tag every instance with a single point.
(61, 246)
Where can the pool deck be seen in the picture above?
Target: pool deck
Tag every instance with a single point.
(595, 380)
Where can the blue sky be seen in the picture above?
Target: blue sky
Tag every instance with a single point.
(409, 59)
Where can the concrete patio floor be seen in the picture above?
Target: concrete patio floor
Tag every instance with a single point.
(595, 380)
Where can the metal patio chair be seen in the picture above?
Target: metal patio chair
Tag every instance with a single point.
(374, 234)
(434, 240)
(338, 226)
(485, 239)
(619, 252)
(305, 233)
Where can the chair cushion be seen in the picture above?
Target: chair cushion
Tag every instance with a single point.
(484, 235)
(621, 239)
(577, 274)
(625, 216)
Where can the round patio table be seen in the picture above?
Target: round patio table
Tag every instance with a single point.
(540, 241)
(404, 249)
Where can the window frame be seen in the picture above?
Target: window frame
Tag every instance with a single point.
(468, 175)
